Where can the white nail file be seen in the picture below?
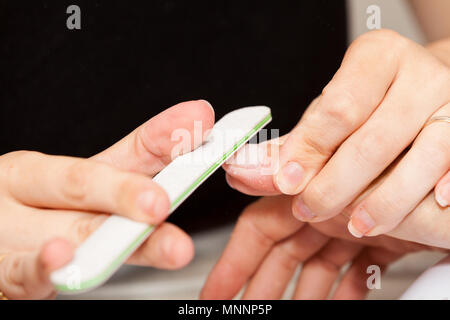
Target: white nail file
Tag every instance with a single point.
(104, 251)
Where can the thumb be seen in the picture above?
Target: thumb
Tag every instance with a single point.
(148, 149)
(26, 275)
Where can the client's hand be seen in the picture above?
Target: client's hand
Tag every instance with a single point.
(376, 105)
(50, 204)
(268, 244)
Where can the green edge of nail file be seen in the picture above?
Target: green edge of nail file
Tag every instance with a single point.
(106, 249)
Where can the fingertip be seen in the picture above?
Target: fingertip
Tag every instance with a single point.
(183, 251)
(440, 200)
(249, 181)
(290, 178)
(301, 211)
(229, 180)
(161, 207)
(152, 203)
(200, 110)
(208, 113)
(353, 231)
(177, 249)
(55, 254)
(442, 194)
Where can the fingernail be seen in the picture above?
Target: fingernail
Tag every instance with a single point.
(290, 177)
(208, 104)
(301, 211)
(442, 195)
(355, 232)
(150, 204)
(360, 223)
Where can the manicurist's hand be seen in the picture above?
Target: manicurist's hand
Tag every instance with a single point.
(377, 106)
(50, 204)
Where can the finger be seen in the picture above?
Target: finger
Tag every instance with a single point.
(261, 225)
(426, 224)
(346, 102)
(278, 267)
(150, 147)
(26, 275)
(320, 272)
(379, 141)
(168, 247)
(442, 191)
(409, 182)
(248, 189)
(354, 283)
(79, 184)
(253, 166)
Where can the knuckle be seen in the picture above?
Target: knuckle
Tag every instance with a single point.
(144, 144)
(22, 155)
(383, 41)
(323, 262)
(13, 167)
(84, 226)
(289, 260)
(385, 36)
(340, 107)
(371, 148)
(17, 154)
(126, 191)
(75, 180)
(8, 276)
(247, 220)
(313, 146)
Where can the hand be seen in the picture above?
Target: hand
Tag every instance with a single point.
(268, 244)
(376, 105)
(49, 204)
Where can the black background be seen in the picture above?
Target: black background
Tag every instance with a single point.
(76, 92)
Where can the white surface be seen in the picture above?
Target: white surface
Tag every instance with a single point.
(97, 258)
(395, 14)
(433, 284)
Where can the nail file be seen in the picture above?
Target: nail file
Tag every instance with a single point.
(107, 248)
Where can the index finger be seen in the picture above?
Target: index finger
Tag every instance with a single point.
(346, 103)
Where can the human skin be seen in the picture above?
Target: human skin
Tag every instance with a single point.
(364, 119)
(50, 204)
(268, 243)
(363, 148)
